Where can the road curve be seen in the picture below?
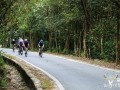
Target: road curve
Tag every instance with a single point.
(73, 75)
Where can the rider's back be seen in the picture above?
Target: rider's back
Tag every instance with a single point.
(20, 42)
(41, 43)
(26, 43)
(13, 41)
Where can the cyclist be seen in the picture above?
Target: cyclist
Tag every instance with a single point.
(13, 44)
(41, 46)
(21, 46)
(26, 43)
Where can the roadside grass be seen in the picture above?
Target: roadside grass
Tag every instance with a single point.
(46, 84)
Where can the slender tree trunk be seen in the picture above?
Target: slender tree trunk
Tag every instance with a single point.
(50, 39)
(75, 46)
(56, 43)
(117, 39)
(101, 44)
(59, 43)
(67, 42)
(86, 27)
(84, 42)
(31, 44)
(10, 38)
(80, 43)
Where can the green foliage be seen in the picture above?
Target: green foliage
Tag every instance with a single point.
(62, 25)
(3, 81)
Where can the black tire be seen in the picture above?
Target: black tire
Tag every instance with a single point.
(26, 49)
(20, 51)
(25, 54)
(41, 55)
(13, 48)
(40, 52)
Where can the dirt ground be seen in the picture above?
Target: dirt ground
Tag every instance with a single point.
(14, 80)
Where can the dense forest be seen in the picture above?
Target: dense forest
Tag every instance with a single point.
(85, 28)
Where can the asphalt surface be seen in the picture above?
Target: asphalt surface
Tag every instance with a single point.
(73, 75)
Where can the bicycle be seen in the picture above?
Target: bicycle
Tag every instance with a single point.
(13, 47)
(26, 49)
(20, 50)
(40, 51)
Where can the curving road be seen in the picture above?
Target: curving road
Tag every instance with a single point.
(73, 75)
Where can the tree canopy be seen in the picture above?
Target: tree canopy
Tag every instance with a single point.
(88, 28)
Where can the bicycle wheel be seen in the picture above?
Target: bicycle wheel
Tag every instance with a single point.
(13, 49)
(26, 53)
(40, 52)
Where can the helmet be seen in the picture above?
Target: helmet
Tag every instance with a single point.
(41, 40)
(21, 40)
(25, 39)
(13, 39)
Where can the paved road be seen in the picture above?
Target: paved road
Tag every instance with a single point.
(73, 75)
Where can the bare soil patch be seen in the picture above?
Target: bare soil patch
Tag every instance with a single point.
(14, 79)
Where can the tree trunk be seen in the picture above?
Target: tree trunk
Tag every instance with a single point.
(80, 43)
(56, 43)
(50, 39)
(67, 42)
(101, 44)
(86, 27)
(117, 39)
(75, 46)
(84, 41)
(31, 44)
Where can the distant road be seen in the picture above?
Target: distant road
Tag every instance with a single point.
(73, 75)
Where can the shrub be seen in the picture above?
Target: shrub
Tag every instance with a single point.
(3, 80)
